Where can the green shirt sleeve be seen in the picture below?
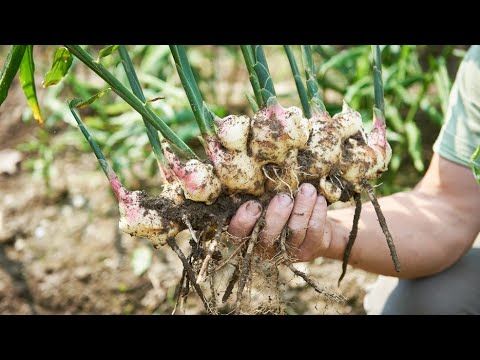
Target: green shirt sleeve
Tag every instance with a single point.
(460, 134)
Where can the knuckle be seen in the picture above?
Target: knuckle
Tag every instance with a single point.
(296, 228)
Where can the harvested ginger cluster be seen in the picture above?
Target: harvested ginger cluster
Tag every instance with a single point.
(276, 150)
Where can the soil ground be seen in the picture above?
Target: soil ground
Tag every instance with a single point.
(61, 251)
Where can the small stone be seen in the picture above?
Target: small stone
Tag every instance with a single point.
(82, 273)
(78, 201)
(111, 263)
(9, 161)
(20, 244)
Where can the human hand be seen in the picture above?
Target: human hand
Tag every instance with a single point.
(309, 237)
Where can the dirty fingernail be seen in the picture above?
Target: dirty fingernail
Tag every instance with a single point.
(253, 208)
(284, 199)
(308, 189)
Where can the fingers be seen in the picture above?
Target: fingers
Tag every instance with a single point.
(276, 217)
(306, 218)
(302, 211)
(245, 218)
(314, 243)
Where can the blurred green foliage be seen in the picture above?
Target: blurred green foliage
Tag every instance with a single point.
(417, 82)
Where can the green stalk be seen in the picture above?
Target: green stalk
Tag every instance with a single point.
(10, 68)
(313, 91)
(202, 113)
(377, 80)
(302, 92)
(91, 141)
(249, 58)
(152, 133)
(131, 99)
(263, 73)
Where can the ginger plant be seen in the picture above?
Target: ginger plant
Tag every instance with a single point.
(247, 158)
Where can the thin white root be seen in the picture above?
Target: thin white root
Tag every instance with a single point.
(190, 228)
(203, 270)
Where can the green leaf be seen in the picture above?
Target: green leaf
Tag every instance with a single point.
(62, 60)
(10, 68)
(91, 141)
(108, 50)
(395, 162)
(152, 133)
(27, 79)
(414, 140)
(443, 83)
(141, 260)
(355, 87)
(475, 166)
(340, 59)
(78, 103)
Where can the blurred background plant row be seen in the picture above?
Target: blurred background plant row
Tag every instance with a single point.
(417, 81)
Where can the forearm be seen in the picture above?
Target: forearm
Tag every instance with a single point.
(429, 234)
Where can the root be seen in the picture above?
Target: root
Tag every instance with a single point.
(214, 295)
(190, 273)
(352, 236)
(282, 257)
(186, 292)
(211, 249)
(231, 284)
(265, 172)
(383, 225)
(322, 291)
(179, 292)
(227, 261)
(283, 182)
(247, 261)
(190, 228)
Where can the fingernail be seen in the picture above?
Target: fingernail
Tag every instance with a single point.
(308, 189)
(284, 199)
(253, 208)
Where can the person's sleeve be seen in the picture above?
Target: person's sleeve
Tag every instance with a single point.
(460, 134)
